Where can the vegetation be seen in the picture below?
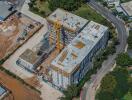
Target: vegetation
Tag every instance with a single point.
(40, 7)
(117, 88)
(123, 59)
(129, 40)
(108, 83)
(71, 92)
(128, 96)
(69, 5)
(44, 7)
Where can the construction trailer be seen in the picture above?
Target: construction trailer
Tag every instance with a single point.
(75, 60)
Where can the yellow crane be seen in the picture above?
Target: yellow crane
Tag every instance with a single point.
(57, 27)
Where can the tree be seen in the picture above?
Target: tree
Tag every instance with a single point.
(130, 85)
(121, 75)
(108, 83)
(69, 5)
(123, 59)
(70, 92)
(115, 85)
(103, 95)
(129, 40)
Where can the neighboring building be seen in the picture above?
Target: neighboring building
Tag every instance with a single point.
(70, 25)
(5, 9)
(29, 60)
(127, 9)
(3, 92)
(75, 60)
(113, 2)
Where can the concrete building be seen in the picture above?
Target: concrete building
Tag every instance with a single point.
(70, 66)
(3, 92)
(127, 9)
(5, 9)
(29, 60)
(70, 25)
(113, 2)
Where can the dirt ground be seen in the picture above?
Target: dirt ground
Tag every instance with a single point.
(19, 91)
(12, 29)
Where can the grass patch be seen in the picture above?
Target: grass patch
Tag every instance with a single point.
(41, 8)
(128, 96)
(87, 12)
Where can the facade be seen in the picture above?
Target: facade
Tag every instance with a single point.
(127, 9)
(75, 60)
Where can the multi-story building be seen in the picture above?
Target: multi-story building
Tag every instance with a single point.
(70, 25)
(127, 9)
(70, 66)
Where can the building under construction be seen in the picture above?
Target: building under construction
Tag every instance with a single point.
(71, 44)
(63, 27)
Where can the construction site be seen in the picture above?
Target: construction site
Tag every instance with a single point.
(14, 31)
(65, 53)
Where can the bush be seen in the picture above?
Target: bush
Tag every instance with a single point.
(123, 59)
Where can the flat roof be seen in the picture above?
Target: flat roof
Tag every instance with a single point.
(68, 20)
(73, 54)
(2, 90)
(29, 56)
(127, 7)
(4, 12)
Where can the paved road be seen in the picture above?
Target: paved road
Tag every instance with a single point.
(90, 88)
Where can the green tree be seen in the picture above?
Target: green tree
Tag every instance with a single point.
(130, 85)
(70, 92)
(108, 83)
(121, 75)
(123, 59)
(69, 5)
(129, 40)
(103, 95)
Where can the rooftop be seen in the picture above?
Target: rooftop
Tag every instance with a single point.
(75, 52)
(127, 7)
(68, 20)
(29, 56)
(4, 12)
(3, 91)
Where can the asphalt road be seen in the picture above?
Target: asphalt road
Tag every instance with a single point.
(89, 90)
